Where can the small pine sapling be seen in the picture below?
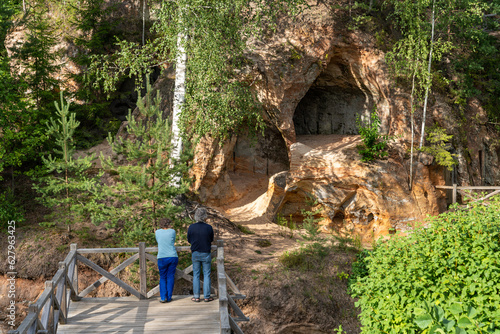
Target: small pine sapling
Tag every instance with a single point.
(146, 185)
(66, 184)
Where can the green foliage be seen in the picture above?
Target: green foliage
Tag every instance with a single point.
(438, 139)
(8, 8)
(67, 184)
(10, 209)
(374, 144)
(305, 258)
(37, 56)
(218, 101)
(442, 278)
(26, 97)
(97, 32)
(145, 186)
(245, 229)
(462, 46)
(359, 267)
(339, 330)
(286, 225)
(347, 239)
(310, 222)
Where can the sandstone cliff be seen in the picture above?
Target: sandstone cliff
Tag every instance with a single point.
(314, 77)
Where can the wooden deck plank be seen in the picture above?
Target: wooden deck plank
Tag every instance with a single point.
(131, 315)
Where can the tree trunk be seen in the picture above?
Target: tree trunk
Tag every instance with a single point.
(143, 22)
(422, 134)
(412, 128)
(179, 98)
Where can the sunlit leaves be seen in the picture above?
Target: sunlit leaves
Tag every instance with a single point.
(442, 278)
(218, 102)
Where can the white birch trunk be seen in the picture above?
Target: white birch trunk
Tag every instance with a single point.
(179, 95)
(422, 134)
(143, 22)
(412, 129)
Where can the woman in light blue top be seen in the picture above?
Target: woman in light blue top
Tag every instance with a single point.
(167, 258)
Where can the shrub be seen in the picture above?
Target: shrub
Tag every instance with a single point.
(438, 140)
(10, 210)
(374, 144)
(359, 267)
(442, 278)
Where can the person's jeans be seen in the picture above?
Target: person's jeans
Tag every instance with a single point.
(201, 259)
(166, 267)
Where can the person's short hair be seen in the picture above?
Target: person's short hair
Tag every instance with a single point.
(200, 215)
(164, 223)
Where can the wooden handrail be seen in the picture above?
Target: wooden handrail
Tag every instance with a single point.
(470, 187)
(226, 302)
(51, 308)
(455, 189)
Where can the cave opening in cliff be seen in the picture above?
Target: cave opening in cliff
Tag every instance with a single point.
(332, 103)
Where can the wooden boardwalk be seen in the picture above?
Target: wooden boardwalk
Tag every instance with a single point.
(62, 308)
(130, 315)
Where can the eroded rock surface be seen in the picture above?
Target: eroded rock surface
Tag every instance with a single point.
(370, 198)
(315, 78)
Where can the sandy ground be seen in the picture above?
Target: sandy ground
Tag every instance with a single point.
(272, 304)
(247, 212)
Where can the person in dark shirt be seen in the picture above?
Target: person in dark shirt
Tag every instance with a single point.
(200, 235)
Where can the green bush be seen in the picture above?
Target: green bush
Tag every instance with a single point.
(359, 267)
(10, 210)
(442, 278)
(374, 144)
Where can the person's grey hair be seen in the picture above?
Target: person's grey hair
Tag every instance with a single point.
(200, 215)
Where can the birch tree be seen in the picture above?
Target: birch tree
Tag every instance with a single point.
(209, 40)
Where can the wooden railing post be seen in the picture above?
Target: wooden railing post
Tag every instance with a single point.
(73, 247)
(454, 195)
(142, 270)
(225, 327)
(33, 308)
(63, 302)
(47, 309)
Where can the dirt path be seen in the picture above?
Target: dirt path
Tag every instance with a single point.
(281, 300)
(263, 242)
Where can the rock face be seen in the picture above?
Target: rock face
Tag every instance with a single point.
(367, 199)
(314, 79)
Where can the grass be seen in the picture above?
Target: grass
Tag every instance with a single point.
(245, 229)
(263, 243)
(313, 276)
(305, 258)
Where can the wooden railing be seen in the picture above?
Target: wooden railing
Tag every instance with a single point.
(51, 308)
(226, 301)
(456, 189)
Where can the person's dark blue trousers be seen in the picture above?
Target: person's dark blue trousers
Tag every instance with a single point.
(166, 267)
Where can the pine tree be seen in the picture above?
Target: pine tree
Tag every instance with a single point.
(144, 186)
(38, 57)
(67, 184)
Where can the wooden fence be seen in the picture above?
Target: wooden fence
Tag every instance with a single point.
(458, 189)
(51, 308)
